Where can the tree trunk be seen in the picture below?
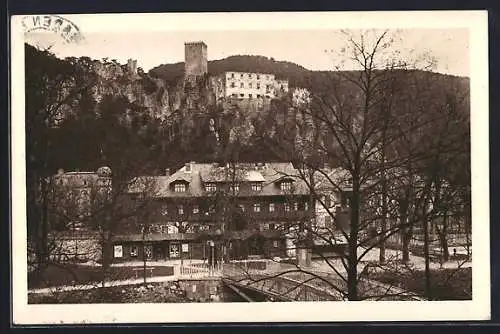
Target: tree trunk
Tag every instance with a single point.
(443, 237)
(383, 225)
(428, 292)
(467, 231)
(144, 261)
(41, 243)
(352, 270)
(407, 235)
(106, 258)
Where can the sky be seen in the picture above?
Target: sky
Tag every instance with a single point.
(449, 47)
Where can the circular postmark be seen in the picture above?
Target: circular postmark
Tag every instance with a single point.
(58, 25)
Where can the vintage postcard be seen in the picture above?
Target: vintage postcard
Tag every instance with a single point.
(250, 167)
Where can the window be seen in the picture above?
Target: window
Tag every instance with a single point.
(235, 95)
(258, 85)
(180, 187)
(256, 187)
(275, 243)
(286, 186)
(242, 85)
(306, 206)
(211, 187)
(232, 75)
(250, 75)
(242, 207)
(133, 251)
(164, 210)
(233, 85)
(296, 206)
(250, 85)
(256, 207)
(249, 96)
(118, 251)
(242, 95)
(265, 227)
(241, 75)
(180, 210)
(272, 227)
(258, 96)
(196, 209)
(234, 187)
(258, 77)
(286, 206)
(271, 207)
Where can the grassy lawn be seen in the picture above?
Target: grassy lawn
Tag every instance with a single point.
(446, 284)
(72, 274)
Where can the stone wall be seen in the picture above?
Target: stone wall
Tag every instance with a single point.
(204, 290)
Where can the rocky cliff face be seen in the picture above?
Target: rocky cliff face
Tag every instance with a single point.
(139, 88)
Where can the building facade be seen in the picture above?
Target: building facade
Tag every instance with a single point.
(230, 212)
(246, 85)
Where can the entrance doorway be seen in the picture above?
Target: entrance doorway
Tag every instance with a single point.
(256, 245)
(158, 253)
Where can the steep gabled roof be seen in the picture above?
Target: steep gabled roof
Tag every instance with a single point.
(268, 174)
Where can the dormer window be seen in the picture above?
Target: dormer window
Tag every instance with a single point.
(180, 187)
(286, 185)
(210, 187)
(256, 186)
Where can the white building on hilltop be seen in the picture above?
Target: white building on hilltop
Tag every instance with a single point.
(246, 85)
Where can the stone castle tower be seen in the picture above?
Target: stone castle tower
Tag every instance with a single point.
(195, 64)
(132, 66)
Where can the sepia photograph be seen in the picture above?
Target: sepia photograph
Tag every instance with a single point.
(204, 167)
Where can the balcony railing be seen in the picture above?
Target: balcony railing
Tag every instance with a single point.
(250, 214)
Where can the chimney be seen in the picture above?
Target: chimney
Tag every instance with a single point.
(187, 168)
(167, 171)
(192, 165)
(60, 171)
